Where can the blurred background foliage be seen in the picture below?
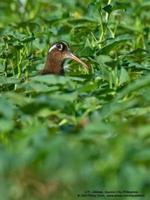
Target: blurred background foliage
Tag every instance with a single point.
(60, 136)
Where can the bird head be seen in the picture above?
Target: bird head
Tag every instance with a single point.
(60, 51)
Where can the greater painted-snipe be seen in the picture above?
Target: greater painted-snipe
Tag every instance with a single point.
(56, 56)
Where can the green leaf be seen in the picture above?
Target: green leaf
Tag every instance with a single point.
(124, 76)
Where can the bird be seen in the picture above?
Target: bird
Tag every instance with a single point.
(57, 53)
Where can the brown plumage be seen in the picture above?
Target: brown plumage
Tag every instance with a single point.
(56, 56)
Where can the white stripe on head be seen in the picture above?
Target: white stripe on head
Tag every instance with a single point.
(53, 47)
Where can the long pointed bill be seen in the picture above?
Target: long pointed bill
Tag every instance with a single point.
(73, 57)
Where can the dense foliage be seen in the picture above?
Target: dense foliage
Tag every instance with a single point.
(64, 135)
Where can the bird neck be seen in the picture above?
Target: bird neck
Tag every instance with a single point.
(53, 66)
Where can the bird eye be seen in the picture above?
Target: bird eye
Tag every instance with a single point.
(59, 47)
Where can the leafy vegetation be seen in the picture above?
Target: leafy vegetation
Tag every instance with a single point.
(64, 135)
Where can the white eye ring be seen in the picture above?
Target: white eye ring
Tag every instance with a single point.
(59, 47)
(56, 46)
